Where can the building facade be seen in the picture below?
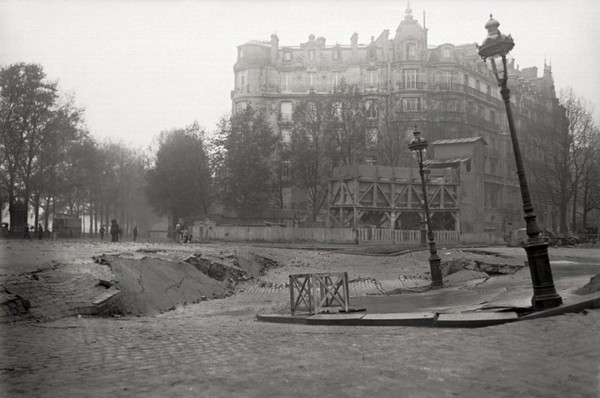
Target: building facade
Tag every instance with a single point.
(446, 89)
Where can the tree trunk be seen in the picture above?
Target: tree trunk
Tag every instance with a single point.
(47, 213)
(36, 210)
(91, 212)
(584, 205)
(563, 217)
(574, 216)
(53, 199)
(95, 218)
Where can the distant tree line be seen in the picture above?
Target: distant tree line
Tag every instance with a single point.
(49, 162)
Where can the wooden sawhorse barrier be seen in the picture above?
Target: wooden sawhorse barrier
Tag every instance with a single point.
(312, 293)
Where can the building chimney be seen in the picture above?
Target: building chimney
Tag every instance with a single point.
(354, 42)
(274, 48)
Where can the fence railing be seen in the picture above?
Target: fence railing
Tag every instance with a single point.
(321, 235)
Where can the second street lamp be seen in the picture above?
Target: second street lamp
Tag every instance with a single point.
(418, 147)
(495, 48)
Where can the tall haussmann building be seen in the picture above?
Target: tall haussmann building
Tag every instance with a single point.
(446, 90)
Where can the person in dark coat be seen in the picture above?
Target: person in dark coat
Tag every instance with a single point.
(26, 232)
(102, 231)
(40, 231)
(114, 230)
(135, 232)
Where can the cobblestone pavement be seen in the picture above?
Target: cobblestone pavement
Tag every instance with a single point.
(216, 349)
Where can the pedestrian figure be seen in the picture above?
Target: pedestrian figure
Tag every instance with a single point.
(135, 232)
(114, 231)
(40, 232)
(177, 232)
(26, 232)
(102, 230)
(187, 236)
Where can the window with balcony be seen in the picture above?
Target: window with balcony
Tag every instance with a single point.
(411, 104)
(372, 137)
(410, 77)
(286, 166)
(372, 78)
(285, 82)
(243, 81)
(452, 105)
(311, 55)
(446, 78)
(286, 111)
(311, 80)
(371, 109)
(336, 79)
(286, 136)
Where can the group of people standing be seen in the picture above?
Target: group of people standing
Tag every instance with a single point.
(39, 231)
(182, 234)
(116, 231)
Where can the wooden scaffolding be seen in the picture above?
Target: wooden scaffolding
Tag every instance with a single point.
(391, 197)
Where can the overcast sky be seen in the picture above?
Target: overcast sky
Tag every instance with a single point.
(140, 67)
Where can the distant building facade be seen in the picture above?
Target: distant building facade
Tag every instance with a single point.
(445, 89)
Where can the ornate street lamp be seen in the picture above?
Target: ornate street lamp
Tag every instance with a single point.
(418, 147)
(495, 49)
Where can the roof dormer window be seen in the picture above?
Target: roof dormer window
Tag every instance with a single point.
(446, 53)
(411, 51)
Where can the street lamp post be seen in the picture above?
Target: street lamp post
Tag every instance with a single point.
(418, 147)
(495, 48)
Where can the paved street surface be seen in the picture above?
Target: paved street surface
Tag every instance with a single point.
(216, 349)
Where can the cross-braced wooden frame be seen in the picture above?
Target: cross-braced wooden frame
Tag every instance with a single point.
(312, 293)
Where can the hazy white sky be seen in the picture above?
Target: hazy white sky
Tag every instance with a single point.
(140, 67)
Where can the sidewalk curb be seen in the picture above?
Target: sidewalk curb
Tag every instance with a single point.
(416, 319)
(578, 305)
(429, 319)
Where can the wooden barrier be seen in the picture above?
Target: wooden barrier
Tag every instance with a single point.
(320, 235)
(317, 292)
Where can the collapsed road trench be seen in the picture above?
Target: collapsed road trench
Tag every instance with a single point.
(126, 284)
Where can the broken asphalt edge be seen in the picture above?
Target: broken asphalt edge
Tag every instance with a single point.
(431, 319)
